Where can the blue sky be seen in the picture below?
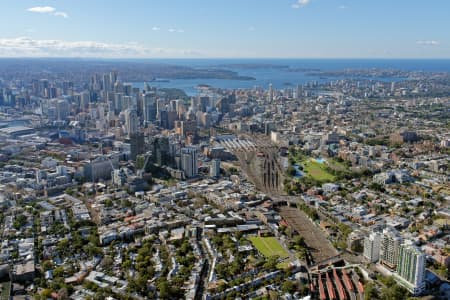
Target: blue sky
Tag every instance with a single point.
(230, 28)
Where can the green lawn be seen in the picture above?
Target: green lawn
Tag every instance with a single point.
(269, 246)
(317, 170)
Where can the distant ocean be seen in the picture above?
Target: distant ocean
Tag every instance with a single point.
(282, 77)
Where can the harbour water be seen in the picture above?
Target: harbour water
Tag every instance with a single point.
(278, 72)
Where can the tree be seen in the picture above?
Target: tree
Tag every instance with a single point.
(393, 293)
(164, 289)
(47, 265)
(109, 203)
(271, 262)
(58, 271)
(107, 262)
(370, 292)
(291, 171)
(63, 246)
(19, 221)
(289, 286)
(46, 293)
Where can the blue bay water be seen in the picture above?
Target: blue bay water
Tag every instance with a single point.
(282, 78)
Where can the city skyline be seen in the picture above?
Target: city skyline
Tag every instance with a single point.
(232, 29)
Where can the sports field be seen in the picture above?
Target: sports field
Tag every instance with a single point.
(269, 246)
(317, 170)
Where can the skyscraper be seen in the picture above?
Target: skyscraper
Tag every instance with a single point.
(160, 147)
(137, 144)
(372, 244)
(149, 107)
(270, 94)
(189, 161)
(214, 170)
(390, 244)
(131, 121)
(411, 268)
(62, 109)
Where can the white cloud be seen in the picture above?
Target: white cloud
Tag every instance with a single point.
(155, 28)
(42, 9)
(428, 43)
(172, 30)
(61, 14)
(48, 10)
(301, 3)
(251, 28)
(29, 47)
(343, 7)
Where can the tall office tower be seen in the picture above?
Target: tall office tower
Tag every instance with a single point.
(50, 92)
(269, 127)
(167, 119)
(390, 244)
(62, 109)
(214, 170)
(43, 85)
(160, 105)
(129, 102)
(127, 89)
(203, 103)
(270, 94)
(137, 145)
(106, 83)
(118, 87)
(112, 78)
(149, 107)
(188, 128)
(372, 244)
(223, 105)
(85, 98)
(161, 151)
(131, 122)
(189, 161)
(298, 91)
(117, 103)
(101, 111)
(205, 120)
(179, 106)
(411, 268)
(173, 105)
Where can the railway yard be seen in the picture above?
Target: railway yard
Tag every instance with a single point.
(319, 247)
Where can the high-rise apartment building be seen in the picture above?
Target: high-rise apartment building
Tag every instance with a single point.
(189, 161)
(214, 170)
(372, 244)
(390, 244)
(411, 268)
(131, 122)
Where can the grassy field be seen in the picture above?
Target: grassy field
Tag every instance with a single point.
(317, 170)
(269, 246)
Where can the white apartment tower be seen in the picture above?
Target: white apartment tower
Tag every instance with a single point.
(189, 161)
(411, 268)
(214, 171)
(372, 245)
